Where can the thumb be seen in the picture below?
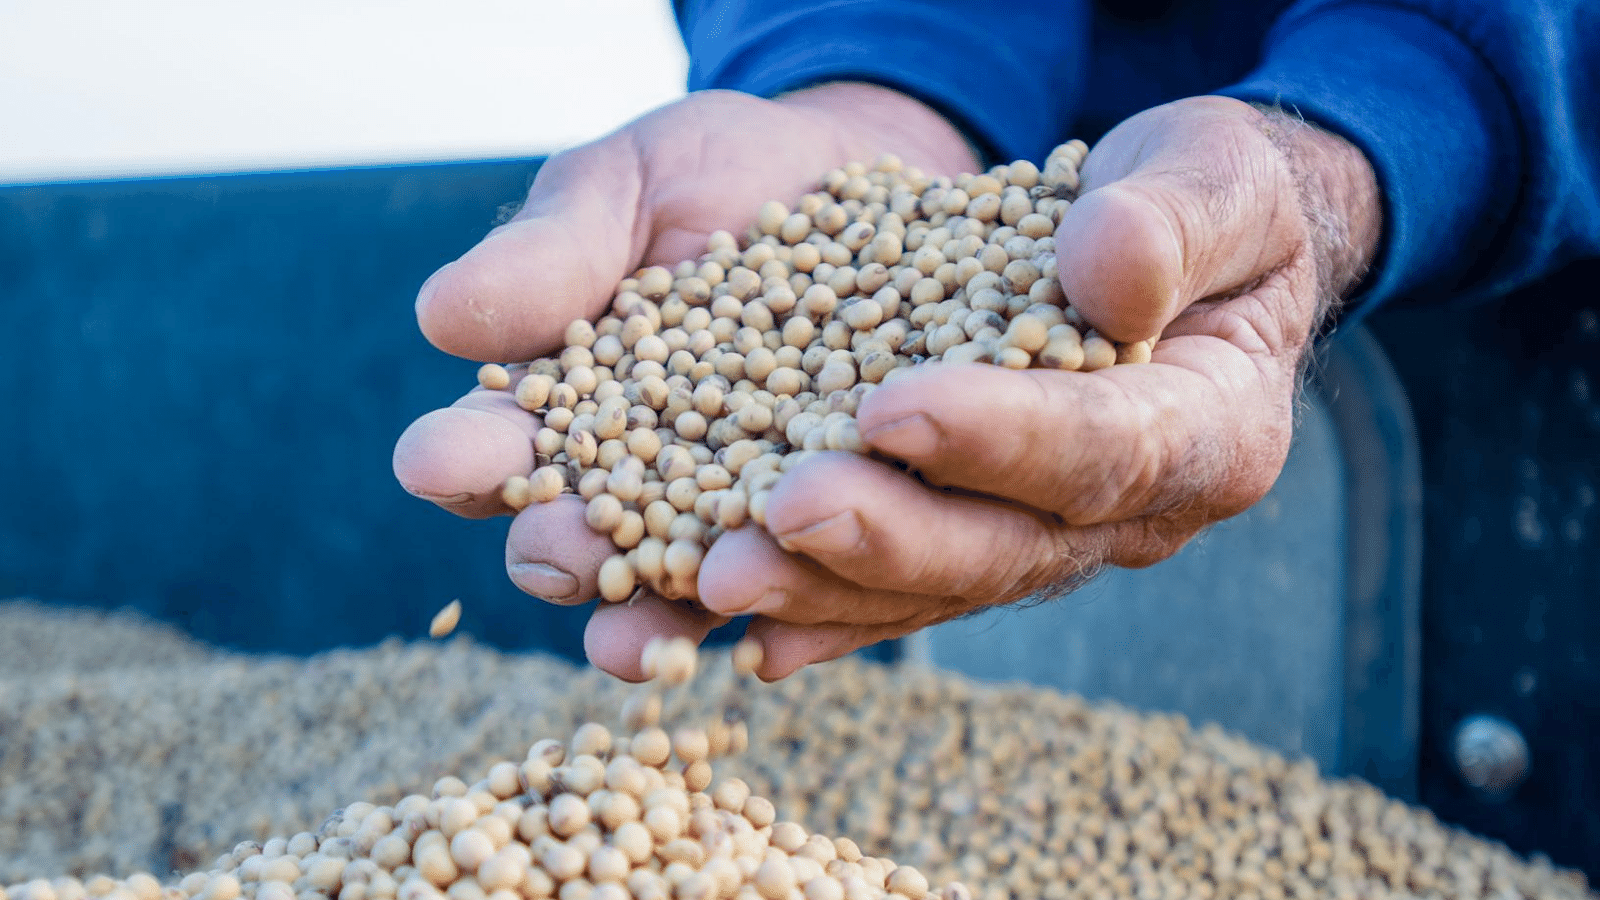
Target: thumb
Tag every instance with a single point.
(512, 296)
(1181, 203)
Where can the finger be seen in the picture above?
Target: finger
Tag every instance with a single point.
(512, 296)
(461, 456)
(1180, 203)
(788, 648)
(553, 554)
(881, 529)
(617, 632)
(1201, 430)
(746, 573)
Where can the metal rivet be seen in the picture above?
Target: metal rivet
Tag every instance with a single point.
(1490, 754)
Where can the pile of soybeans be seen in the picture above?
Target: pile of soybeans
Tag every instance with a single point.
(404, 771)
(676, 413)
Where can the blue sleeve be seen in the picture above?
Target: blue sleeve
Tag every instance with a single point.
(1481, 118)
(1007, 72)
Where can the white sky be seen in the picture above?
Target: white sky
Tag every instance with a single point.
(98, 88)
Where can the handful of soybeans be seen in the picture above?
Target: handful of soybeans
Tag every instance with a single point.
(676, 413)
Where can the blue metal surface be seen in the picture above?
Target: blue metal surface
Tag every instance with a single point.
(202, 383)
(1508, 415)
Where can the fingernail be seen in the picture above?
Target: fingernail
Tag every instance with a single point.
(460, 499)
(774, 598)
(839, 533)
(914, 436)
(772, 601)
(544, 580)
(430, 287)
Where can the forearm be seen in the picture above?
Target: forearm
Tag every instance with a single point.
(1339, 199)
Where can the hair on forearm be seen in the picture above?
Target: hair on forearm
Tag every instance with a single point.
(1338, 198)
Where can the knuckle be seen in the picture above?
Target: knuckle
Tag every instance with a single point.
(1129, 467)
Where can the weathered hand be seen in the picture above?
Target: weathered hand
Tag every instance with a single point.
(1222, 229)
(650, 193)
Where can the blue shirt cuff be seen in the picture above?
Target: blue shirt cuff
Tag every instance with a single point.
(1430, 117)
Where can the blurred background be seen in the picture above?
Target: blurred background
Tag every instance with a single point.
(214, 218)
(110, 90)
(219, 216)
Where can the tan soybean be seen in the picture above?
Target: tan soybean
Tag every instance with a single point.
(445, 620)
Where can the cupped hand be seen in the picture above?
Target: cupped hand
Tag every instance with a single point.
(651, 193)
(1221, 229)
(1224, 230)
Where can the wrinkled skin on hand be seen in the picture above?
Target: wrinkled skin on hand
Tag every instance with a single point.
(1223, 229)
